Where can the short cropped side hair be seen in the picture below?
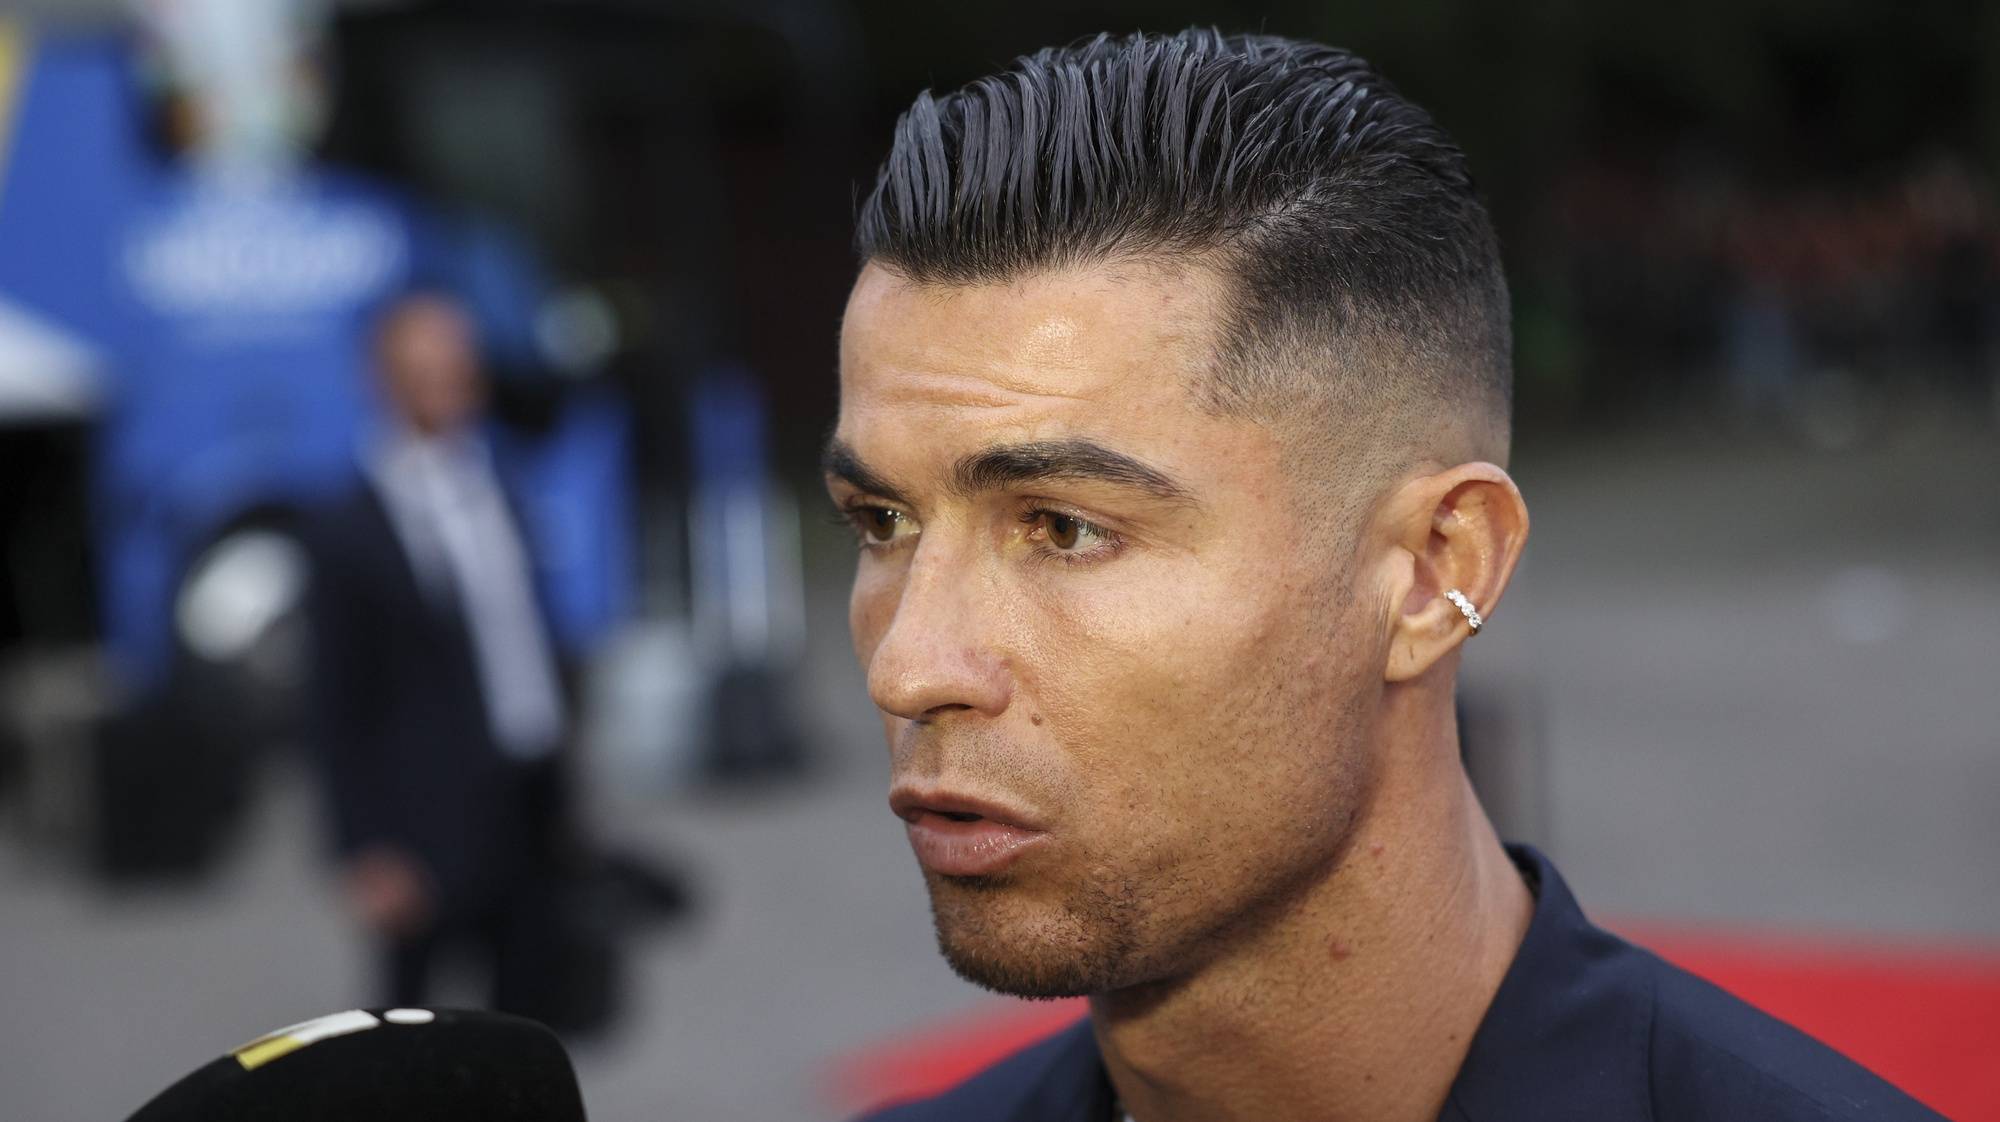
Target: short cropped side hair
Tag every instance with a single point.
(1344, 218)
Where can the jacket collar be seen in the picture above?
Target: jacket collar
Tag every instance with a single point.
(1567, 1034)
(1074, 1087)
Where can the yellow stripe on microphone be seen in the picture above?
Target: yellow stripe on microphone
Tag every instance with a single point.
(287, 1040)
(257, 1055)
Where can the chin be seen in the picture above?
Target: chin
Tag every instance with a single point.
(998, 937)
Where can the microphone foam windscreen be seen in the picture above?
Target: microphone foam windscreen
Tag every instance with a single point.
(388, 1065)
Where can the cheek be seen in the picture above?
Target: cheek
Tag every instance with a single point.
(1198, 704)
(1099, 669)
(1165, 640)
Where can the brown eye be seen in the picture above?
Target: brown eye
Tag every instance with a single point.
(879, 523)
(1063, 531)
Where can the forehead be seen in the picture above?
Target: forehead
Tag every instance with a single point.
(1043, 354)
(422, 322)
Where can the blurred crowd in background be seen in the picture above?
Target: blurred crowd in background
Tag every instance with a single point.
(1774, 304)
(1771, 218)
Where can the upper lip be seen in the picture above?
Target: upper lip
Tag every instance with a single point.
(908, 802)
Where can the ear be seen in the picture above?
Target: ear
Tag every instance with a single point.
(1461, 528)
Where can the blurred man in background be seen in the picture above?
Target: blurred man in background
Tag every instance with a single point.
(442, 717)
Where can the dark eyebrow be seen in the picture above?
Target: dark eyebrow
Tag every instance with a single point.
(840, 461)
(1040, 461)
(1014, 465)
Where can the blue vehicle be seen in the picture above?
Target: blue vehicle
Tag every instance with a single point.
(210, 331)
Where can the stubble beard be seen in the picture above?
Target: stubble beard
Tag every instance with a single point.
(1145, 922)
(1113, 931)
(1087, 943)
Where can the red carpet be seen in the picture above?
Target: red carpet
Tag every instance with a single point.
(1926, 1019)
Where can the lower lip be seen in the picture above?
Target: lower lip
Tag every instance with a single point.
(977, 848)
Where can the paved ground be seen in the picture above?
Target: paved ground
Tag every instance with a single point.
(1762, 682)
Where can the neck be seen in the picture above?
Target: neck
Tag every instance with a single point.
(1361, 1000)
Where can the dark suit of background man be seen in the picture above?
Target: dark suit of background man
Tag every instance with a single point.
(1174, 410)
(441, 716)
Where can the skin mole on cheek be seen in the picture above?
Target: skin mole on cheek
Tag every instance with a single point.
(1339, 948)
(1035, 718)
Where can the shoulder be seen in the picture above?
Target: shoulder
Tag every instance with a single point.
(1713, 1055)
(1587, 1026)
(1052, 1080)
(332, 524)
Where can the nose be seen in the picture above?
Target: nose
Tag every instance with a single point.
(939, 653)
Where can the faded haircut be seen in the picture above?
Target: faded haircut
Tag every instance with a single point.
(1357, 255)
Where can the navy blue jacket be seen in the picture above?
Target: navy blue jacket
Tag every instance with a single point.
(399, 720)
(1585, 1028)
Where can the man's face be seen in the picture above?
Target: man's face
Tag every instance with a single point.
(428, 357)
(1094, 616)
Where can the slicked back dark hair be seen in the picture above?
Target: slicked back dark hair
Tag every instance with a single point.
(1346, 219)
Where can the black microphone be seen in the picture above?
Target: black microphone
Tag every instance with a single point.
(390, 1065)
